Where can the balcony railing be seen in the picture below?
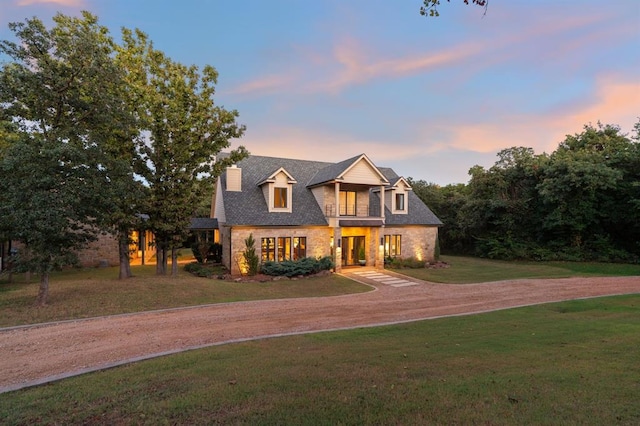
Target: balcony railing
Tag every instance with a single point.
(352, 211)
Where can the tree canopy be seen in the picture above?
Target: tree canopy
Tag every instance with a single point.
(185, 129)
(92, 134)
(430, 7)
(580, 202)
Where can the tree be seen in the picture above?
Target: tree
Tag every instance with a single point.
(590, 188)
(48, 197)
(61, 92)
(186, 131)
(430, 7)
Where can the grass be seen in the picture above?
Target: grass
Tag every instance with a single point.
(563, 363)
(95, 292)
(465, 270)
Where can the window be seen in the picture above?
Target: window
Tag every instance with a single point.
(284, 248)
(279, 198)
(399, 201)
(280, 249)
(392, 245)
(299, 248)
(347, 203)
(268, 249)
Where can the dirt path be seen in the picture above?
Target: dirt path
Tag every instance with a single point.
(37, 354)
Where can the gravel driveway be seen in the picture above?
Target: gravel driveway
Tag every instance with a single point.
(36, 354)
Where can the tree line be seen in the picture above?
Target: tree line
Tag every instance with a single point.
(581, 202)
(97, 134)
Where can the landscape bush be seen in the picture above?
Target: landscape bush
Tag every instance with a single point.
(206, 251)
(404, 262)
(294, 268)
(198, 269)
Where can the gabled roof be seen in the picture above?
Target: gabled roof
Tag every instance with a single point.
(395, 181)
(417, 212)
(272, 177)
(337, 171)
(248, 207)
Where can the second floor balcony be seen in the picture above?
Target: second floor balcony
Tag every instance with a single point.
(351, 210)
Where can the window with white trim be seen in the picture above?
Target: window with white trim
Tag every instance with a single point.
(400, 196)
(280, 198)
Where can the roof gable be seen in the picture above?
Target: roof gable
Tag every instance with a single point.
(274, 176)
(358, 169)
(402, 183)
(248, 207)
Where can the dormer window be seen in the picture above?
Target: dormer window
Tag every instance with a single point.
(277, 189)
(397, 200)
(400, 201)
(280, 198)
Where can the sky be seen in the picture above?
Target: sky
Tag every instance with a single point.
(430, 97)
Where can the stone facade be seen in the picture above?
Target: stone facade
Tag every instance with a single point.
(102, 252)
(416, 241)
(233, 243)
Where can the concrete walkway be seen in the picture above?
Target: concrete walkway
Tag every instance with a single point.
(380, 276)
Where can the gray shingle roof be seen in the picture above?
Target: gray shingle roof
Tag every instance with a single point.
(203, 223)
(331, 171)
(248, 207)
(418, 213)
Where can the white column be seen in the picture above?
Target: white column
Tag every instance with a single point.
(382, 201)
(337, 199)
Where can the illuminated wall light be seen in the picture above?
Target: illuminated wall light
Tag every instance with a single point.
(418, 253)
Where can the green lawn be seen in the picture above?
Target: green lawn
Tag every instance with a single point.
(465, 270)
(563, 363)
(95, 292)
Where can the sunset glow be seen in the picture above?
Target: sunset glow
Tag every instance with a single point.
(429, 97)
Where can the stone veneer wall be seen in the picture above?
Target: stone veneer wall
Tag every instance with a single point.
(417, 241)
(318, 242)
(102, 252)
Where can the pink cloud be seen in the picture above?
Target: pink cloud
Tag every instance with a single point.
(262, 85)
(318, 145)
(357, 69)
(615, 101)
(353, 63)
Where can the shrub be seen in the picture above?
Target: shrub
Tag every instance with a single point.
(406, 262)
(294, 268)
(215, 253)
(198, 269)
(205, 251)
(250, 257)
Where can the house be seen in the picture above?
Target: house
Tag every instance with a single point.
(297, 208)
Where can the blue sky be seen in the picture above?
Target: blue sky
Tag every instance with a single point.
(330, 79)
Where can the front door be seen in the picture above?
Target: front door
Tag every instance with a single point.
(351, 247)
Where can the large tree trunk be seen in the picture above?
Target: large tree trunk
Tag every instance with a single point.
(43, 293)
(161, 259)
(123, 251)
(174, 262)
